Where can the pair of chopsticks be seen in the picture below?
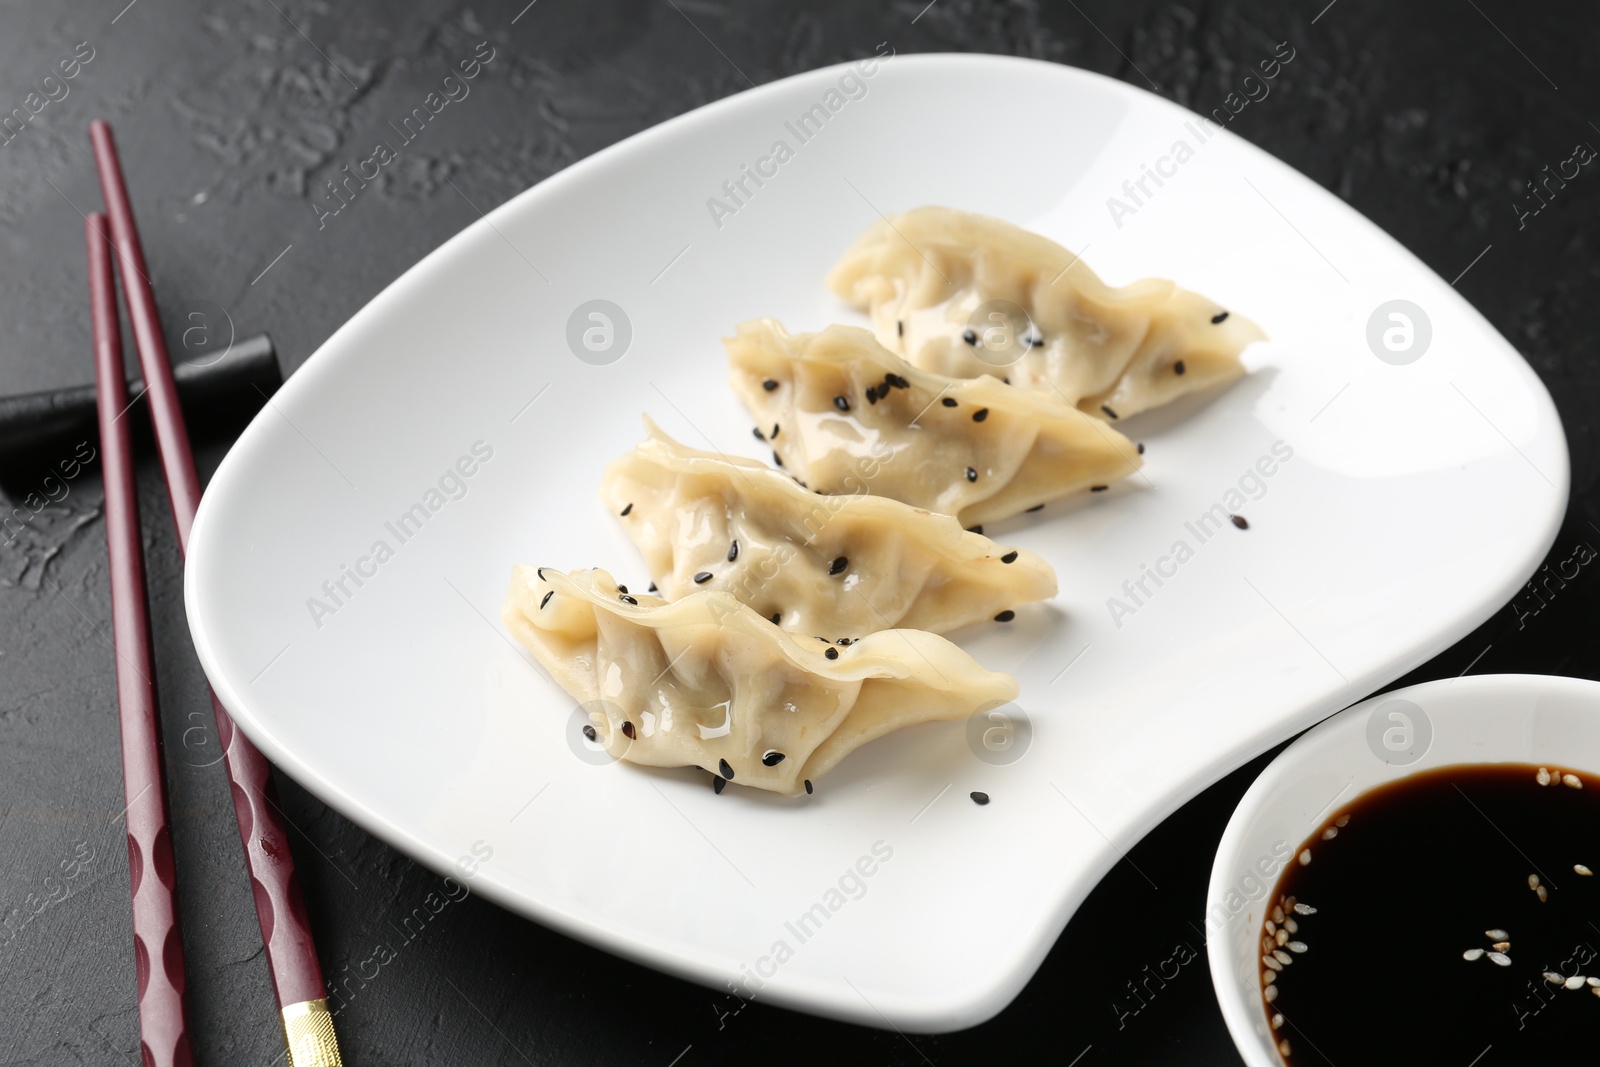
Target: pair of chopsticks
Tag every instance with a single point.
(280, 908)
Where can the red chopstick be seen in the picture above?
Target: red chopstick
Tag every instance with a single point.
(280, 907)
(157, 946)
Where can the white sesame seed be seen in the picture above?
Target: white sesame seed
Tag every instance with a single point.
(1572, 781)
(1305, 857)
(1500, 958)
(1270, 993)
(1472, 954)
(1496, 935)
(1283, 1046)
(1554, 979)
(1579, 868)
(1277, 1020)
(1501, 946)
(1288, 903)
(1304, 909)
(1533, 881)
(1544, 776)
(1291, 926)
(1296, 946)
(1272, 927)
(1266, 944)
(1575, 982)
(1271, 963)
(1595, 990)
(1282, 956)
(1593, 981)
(1277, 914)
(1342, 821)
(1544, 895)
(1283, 937)
(1330, 833)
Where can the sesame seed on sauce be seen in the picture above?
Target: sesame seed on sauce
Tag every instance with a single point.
(1109, 413)
(969, 336)
(1178, 367)
(1005, 616)
(727, 771)
(777, 459)
(626, 599)
(772, 758)
(1140, 447)
(1035, 342)
(949, 401)
(541, 574)
(1037, 507)
(899, 328)
(776, 615)
(628, 731)
(757, 431)
(824, 640)
(1006, 380)
(546, 599)
(872, 394)
(980, 799)
(832, 653)
(980, 414)
(702, 578)
(717, 784)
(588, 731)
(733, 551)
(845, 641)
(627, 509)
(972, 475)
(838, 565)
(1009, 557)
(1240, 521)
(978, 529)
(1219, 318)
(841, 403)
(898, 382)
(652, 588)
(622, 589)
(1097, 488)
(769, 385)
(808, 787)
(774, 431)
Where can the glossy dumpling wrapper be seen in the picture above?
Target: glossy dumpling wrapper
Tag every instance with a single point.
(706, 682)
(828, 566)
(927, 277)
(853, 414)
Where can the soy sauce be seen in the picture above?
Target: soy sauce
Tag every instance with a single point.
(1420, 922)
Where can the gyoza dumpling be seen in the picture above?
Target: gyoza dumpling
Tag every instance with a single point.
(926, 275)
(706, 682)
(829, 566)
(851, 414)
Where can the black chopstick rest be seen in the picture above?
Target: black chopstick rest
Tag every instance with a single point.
(211, 386)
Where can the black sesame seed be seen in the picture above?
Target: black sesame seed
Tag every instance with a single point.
(978, 529)
(727, 771)
(1239, 521)
(769, 385)
(626, 599)
(1219, 318)
(969, 336)
(546, 599)
(845, 641)
(949, 401)
(757, 431)
(972, 475)
(1035, 342)
(775, 617)
(808, 787)
(1006, 380)
(838, 565)
(774, 431)
(627, 509)
(702, 578)
(1140, 447)
(1009, 557)
(652, 588)
(824, 640)
(899, 328)
(980, 414)
(628, 731)
(1005, 616)
(717, 784)
(772, 759)
(898, 382)
(872, 394)
(622, 589)
(733, 551)
(1097, 488)
(541, 574)
(1178, 368)
(777, 459)
(588, 731)
(980, 799)
(841, 403)
(1109, 413)
(1037, 507)
(832, 653)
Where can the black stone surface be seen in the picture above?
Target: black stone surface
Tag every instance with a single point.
(1427, 116)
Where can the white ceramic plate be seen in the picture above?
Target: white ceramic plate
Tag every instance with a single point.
(1504, 718)
(1417, 499)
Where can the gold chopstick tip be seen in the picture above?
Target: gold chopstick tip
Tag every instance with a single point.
(308, 1030)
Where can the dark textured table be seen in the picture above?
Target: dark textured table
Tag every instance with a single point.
(1429, 117)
